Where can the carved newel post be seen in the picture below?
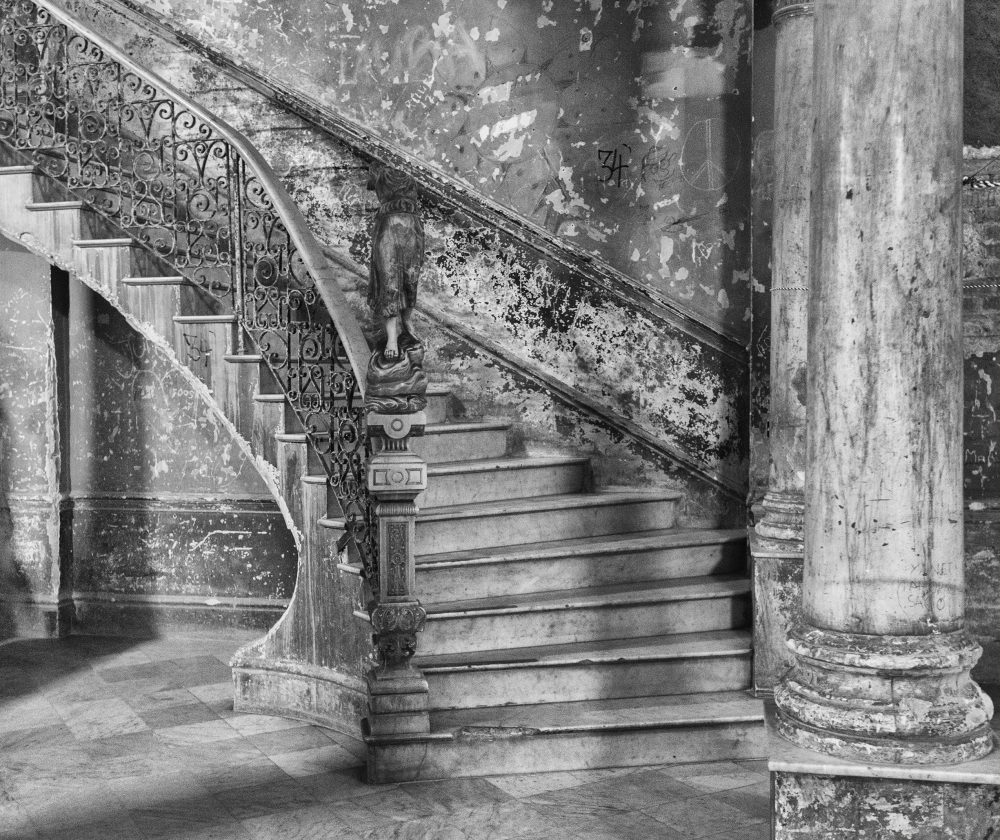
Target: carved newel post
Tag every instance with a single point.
(395, 397)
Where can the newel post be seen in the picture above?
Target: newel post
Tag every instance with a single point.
(395, 398)
(397, 691)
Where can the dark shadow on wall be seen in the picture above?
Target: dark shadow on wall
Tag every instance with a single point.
(14, 587)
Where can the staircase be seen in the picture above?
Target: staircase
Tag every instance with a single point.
(568, 626)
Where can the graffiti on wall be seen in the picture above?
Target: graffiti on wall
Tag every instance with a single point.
(620, 127)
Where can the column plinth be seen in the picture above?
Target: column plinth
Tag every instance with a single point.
(885, 699)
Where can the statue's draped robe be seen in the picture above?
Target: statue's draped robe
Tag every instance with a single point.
(397, 256)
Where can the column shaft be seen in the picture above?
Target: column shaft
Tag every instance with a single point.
(793, 91)
(882, 657)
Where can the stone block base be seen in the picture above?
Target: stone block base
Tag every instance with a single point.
(288, 689)
(816, 797)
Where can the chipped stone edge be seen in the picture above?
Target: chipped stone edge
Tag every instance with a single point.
(786, 757)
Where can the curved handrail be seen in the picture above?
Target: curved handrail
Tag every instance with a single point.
(202, 199)
(319, 267)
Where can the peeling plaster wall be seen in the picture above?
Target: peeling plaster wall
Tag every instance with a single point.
(982, 72)
(621, 127)
(982, 408)
(165, 501)
(617, 350)
(29, 444)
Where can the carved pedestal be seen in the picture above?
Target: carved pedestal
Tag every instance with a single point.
(397, 692)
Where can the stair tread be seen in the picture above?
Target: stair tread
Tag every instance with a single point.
(560, 501)
(44, 206)
(106, 242)
(677, 645)
(586, 546)
(458, 427)
(504, 463)
(590, 715)
(156, 280)
(628, 594)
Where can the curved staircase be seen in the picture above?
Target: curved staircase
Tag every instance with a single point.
(568, 626)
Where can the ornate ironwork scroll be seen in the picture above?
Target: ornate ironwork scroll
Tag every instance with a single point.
(196, 195)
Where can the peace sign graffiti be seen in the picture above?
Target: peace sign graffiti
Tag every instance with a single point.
(710, 156)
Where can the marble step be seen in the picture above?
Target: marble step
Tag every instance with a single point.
(449, 442)
(679, 664)
(626, 611)
(579, 735)
(492, 479)
(518, 521)
(571, 564)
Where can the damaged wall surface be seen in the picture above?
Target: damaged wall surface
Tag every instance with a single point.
(620, 127)
(537, 306)
(166, 501)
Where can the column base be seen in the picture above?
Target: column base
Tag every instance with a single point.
(776, 571)
(816, 796)
(783, 519)
(886, 699)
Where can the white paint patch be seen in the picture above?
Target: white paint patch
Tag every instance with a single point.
(383, 29)
(635, 255)
(502, 4)
(586, 39)
(547, 5)
(444, 27)
(597, 6)
(666, 249)
(518, 122)
(723, 299)
(544, 21)
(474, 33)
(493, 35)
(495, 93)
(348, 16)
(511, 149)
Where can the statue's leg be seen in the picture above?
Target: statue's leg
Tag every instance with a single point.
(407, 315)
(392, 337)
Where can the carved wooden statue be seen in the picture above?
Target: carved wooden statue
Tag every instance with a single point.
(396, 380)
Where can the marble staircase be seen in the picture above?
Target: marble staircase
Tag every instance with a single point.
(568, 626)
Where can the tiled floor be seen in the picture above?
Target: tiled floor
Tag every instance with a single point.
(102, 739)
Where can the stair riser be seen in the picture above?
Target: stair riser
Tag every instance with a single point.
(464, 488)
(292, 458)
(519, 527)
(268, 420)
(587, 681)
(236, 397)
(468, 582)
(460, 446)
(203, 348)
(154, 305)
(483, 755)
(495, 632)
(106, 265)
(58, 228)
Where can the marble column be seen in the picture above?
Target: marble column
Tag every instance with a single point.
(776, 545)
(883, 660)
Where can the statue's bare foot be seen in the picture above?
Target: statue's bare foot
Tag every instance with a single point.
(391, 352)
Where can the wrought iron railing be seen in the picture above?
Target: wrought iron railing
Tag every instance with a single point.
(195, 193)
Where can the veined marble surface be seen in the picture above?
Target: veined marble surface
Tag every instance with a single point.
(117, 739)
